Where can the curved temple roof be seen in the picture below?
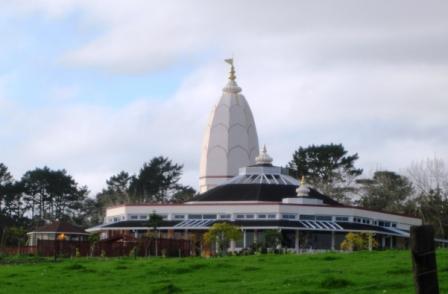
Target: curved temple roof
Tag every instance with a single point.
(230, 139)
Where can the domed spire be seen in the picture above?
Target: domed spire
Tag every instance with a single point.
(264, 157)
(230, 139)
(303, 190)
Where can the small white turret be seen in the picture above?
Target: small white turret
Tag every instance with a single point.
(303, 190)
(264, 157)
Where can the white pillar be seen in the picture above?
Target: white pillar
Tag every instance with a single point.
(332, 241)
(391, 239)
(297, 247)
(280, 231)
(244, 238)
(232, 245)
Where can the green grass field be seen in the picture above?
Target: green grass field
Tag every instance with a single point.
(360, 272)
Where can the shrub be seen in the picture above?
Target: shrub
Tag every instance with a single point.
(355, 241)
(222, 234)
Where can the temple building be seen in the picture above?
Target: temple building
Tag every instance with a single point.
(240, 184)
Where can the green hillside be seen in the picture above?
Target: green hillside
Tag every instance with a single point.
(360, 272)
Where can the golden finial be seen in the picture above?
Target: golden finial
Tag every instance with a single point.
(302, 181)
(232, 76)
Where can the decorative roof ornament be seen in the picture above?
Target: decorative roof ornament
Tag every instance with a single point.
(263, 157)
(231, 86)
(303, 190)
(232, 76)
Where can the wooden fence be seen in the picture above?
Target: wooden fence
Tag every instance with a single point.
(18, 250)
(143, 247)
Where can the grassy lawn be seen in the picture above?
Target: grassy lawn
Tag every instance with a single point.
(360, 272)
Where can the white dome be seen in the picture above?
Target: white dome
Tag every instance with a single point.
(230, 139)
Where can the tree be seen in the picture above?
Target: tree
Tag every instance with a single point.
(221, 234)
(92, 213)
(154, 222)
(273, 238)
(6, 180)
(183, 194)
(115, 193)
(386, 191)
(430, 179)
(433, 209)
(156, 181)
(52, 194)
(326, 167)
(429, 175)
(93, 240)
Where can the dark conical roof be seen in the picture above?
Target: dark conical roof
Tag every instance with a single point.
(60, 227)
(257, 192)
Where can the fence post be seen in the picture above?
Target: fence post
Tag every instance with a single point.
(424, 260)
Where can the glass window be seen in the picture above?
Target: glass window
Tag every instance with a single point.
(324, 218)
(179, 216)
(133, 217)
(143, 216)
(209, 216)
(365, 221)
(394, 225)
(194, 216)
(272, 216)
(342, 219)
(261, 216)
(307, 217)
(250, 216)
(240, 216)
(288, 216)
(224, 216)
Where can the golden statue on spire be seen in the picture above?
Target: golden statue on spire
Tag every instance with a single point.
(232, 76)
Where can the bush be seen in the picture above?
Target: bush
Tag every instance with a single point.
(355, 241)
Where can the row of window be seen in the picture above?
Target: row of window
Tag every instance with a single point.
(241, 216)
(368, 221)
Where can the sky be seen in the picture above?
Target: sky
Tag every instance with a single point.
(100, 86)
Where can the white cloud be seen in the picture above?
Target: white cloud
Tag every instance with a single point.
(371, 75)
